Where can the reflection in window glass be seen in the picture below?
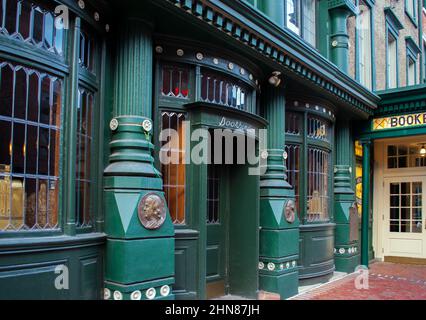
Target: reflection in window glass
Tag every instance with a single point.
(29, 142)
(87, 50)
(224, 90)
(29, 22)
(293, 15)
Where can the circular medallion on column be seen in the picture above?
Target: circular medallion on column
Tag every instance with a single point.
(290, 211)
(152, 211)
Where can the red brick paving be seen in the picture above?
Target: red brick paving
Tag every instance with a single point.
(387, 281)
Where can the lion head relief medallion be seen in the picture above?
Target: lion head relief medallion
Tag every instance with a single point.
(290, 211)
(152, 211)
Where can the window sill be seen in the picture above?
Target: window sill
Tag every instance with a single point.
(51, 242)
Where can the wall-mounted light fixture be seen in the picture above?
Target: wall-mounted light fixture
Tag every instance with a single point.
(275, 79)
(423, 151)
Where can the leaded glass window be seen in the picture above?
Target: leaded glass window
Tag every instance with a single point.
(318, 185)
(293, 164)
(32, 23)
(87, 50)
(175, 82)
(85, 109)
(318, 129)
(174, 173)
(213, 184)
(293, 123)
(30, 131)
(309, 163)
(223, 90)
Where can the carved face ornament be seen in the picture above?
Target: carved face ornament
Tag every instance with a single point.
(290, 211)
(151, 211)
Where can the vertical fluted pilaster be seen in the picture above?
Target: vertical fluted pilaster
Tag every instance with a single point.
(275, 176)
(133, 81)
(344, 154)
(279, 235)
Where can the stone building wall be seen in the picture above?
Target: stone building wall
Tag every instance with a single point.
(379, 27)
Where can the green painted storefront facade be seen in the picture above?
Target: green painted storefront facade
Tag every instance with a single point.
(267, 234)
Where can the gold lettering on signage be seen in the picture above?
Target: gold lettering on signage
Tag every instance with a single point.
(402, 121)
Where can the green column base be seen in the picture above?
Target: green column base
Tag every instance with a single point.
(347, 263)
(286, 284)
(127, 292)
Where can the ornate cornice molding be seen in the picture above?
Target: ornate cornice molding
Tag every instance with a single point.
(256, 31)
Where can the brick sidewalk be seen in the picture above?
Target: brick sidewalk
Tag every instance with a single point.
(387, 281)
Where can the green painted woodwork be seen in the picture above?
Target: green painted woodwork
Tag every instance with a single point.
(286, 284)
(365, 247)
(244, 235)
(27, 267)
(288, 52)
(240, 248)
(70, 129)
(339, 38)
(278, 238)
(136, 261)
(135, 256)
(279, 243)
(316, 250)
(344, 197)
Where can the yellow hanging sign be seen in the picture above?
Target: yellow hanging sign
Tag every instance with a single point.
(403, 121)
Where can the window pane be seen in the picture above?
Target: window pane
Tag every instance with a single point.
(392, 62)
(174, 173)
(293, 170)
(309, 23)
(223, 90)
(29, 151)
(293, 15)
(175, 82)
(318, 185)
(85, 109)
(364, 33)
(6, 90)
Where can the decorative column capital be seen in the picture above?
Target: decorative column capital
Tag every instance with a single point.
(343, 4)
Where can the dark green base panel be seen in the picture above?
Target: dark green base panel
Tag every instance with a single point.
(27, 268)
(286, 285)
(138, 261)
(316, 251)
(347, 264)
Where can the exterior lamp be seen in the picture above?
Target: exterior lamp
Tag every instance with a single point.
(275, 79)
(423, 151)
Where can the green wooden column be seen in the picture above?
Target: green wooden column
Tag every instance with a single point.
(279, 234)
(275, 10)
(340, 11)
(345, 212)
(140, 244)
(366, 144)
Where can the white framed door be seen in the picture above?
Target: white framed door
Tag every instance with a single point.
(404, 217)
